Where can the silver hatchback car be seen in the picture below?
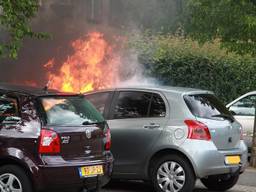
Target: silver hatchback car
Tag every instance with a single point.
(172, 136)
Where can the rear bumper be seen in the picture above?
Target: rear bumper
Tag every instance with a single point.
(65, 175)
(208, 160)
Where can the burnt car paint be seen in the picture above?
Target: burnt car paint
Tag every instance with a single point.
(19, 141)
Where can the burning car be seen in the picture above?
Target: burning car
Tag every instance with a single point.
(51, 140)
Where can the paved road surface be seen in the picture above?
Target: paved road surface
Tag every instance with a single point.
(247, 183)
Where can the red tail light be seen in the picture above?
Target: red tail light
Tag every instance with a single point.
(108, 140)
(197, 130)
(49, 142)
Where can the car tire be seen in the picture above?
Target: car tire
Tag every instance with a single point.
(13, 177)
(220, 183)
(172, 171)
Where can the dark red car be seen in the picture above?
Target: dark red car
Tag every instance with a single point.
(50, 141)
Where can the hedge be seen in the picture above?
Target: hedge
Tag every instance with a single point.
(177, 61)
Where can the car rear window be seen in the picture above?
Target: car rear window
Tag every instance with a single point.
(206, 106)
(70, 111)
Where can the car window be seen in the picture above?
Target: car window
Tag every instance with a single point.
(131, 104)
(157, 108)
(245, 106)
(8, 108)
(99, 100)
(206, 106)
(69, 111)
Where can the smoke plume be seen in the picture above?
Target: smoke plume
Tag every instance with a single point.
(68, 20)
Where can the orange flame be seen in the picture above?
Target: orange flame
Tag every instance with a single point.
(93, 65)
(49, 64)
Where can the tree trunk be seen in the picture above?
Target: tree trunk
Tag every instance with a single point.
(253, 153)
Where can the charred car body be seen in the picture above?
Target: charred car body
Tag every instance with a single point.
(51, 141)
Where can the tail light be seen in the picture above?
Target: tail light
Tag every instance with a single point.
(49, 142)
(197, 130)
(108, 140)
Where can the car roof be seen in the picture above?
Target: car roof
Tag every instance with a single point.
(250, 93)
(29, 90)
(242, 96)
(170, 89)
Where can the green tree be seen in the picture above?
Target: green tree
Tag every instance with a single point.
(15, 16)
(231, 21)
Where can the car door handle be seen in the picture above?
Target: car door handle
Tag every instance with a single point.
(152, 126)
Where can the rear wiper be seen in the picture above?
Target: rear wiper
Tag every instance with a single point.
(225, 116)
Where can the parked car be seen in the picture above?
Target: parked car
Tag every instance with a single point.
(50, 141)
(243, 109)
(172, 136)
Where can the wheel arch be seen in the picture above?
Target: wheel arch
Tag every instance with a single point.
(19, 163)
(168, 151)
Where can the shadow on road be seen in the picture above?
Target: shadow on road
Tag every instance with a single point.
(134, 186)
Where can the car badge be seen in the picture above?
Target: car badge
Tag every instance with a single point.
(88, 134)
(65, 139)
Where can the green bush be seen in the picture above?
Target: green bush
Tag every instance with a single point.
(177, 61)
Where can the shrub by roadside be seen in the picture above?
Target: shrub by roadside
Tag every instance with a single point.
(178, 61)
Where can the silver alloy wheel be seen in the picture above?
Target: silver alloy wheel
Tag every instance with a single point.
(171, 177)
(10, 183)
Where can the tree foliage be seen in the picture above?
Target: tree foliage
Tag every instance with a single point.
(231, 21)
(15, 16)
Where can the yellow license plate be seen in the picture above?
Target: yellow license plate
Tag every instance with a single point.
(91, 171)
(233, 160)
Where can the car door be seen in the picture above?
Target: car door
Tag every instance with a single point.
(136, 122)
(244, 110)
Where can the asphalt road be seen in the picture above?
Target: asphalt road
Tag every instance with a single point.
(247, 183)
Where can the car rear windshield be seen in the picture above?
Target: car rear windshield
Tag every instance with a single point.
(206, 106)
(70, 111)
